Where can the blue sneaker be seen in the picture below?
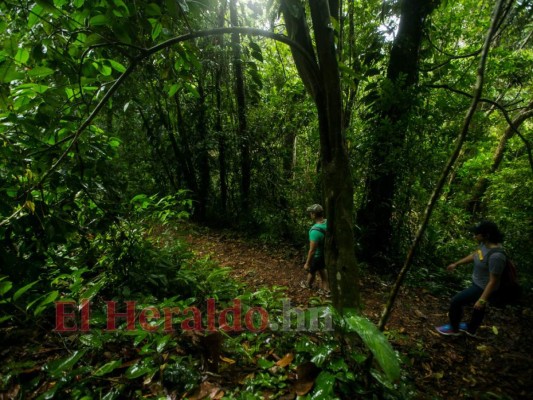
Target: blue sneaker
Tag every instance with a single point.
(463, 327)
(447, 330)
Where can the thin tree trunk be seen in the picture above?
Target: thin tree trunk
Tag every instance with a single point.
(440, 184)
(221, 136)
(203, 159)
(188, 170)
(242, 129)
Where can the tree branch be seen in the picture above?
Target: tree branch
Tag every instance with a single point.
(146, 53)
(476, 96)
(504, 113)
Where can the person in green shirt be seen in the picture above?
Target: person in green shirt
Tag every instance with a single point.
(315, 261)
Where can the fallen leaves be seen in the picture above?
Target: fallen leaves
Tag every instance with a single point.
(285, 360)
(207, 390)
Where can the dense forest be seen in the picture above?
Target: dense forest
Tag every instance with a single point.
(157, 162)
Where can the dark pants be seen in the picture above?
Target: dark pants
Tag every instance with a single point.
(467, 297)
(317, 264)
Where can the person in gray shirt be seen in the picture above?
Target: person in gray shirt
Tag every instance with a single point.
(488, 268)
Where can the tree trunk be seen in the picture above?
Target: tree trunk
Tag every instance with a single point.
(186, 161)
(375, 216)
(323, 82)
(242, 129)
(221, 136)
(203, 159)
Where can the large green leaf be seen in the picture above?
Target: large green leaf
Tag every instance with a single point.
(324, 386)
(99, 20)
(137, 370)
(376, 341)
(108, 367)
(40, 72)
(23, 290)
(8, 72)
(57, 367)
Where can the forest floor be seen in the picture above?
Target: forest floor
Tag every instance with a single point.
(498, 364)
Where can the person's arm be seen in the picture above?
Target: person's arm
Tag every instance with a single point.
(310, 254)
(466, 260)
(491, 286)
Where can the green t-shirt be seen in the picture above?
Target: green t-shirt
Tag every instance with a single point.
(315, 235)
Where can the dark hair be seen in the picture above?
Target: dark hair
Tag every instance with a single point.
(489, 230)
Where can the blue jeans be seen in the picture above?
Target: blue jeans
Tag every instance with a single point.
(467, 297)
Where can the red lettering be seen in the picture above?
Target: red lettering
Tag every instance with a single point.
(223, 318)
(85, 315)
(249, 319)
(168, 312)
(196, 320)
(143, 318)
(112, 315)
(61, 315)
(211, 307)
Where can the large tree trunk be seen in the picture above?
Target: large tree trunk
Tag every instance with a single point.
(375, 216)
(322, 80)
(242, 129)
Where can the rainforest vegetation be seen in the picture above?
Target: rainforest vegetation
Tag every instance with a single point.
(157, 159)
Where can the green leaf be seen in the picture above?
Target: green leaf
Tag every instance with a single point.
(137, 370)
(114, 142)
(5, 287)
(44, 301)
(321, 353)
(93, 290)
(104, 69)
(324, 385)
(8, 72)
(117, 66)
(122, 8)
(55, 368)
(34, 16)
(192, 90)
(173, 90)
(257, 55)
(162, 342)
(376, 341)
(265, 364)
(22, 56)
(156, 28)
(153, 10)
(40, 72)
(23, 290)
(46, 4)
(107, 368)
(99, 20)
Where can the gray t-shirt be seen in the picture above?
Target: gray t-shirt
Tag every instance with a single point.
(483, 267)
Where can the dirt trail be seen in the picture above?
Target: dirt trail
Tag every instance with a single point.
(496, 365)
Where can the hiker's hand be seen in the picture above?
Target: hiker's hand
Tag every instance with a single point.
(451, 267)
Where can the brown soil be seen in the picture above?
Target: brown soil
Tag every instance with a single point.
(495, 365)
